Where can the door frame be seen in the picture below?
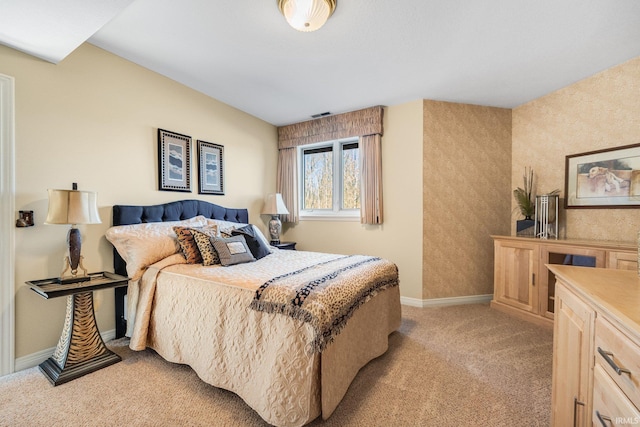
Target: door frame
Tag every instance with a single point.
(7, 218)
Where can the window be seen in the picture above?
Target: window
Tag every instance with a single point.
(330, 179)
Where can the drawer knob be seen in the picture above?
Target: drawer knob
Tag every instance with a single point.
(608, 356)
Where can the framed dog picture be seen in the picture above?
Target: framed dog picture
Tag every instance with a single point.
(608, 178)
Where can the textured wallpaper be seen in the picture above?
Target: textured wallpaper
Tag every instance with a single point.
(466, 196)
(599, 112)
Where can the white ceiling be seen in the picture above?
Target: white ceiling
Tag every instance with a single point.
(371, 52)
(52, 30)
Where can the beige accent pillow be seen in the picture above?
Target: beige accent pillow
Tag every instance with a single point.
(141, 245)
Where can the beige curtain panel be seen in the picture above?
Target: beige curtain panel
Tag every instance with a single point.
(366, 124)
(371, 179)
(286, 182)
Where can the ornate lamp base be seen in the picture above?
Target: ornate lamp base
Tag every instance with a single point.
(80, 349)
(275, 226)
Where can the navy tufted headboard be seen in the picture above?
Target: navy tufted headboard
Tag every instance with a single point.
(172, 211)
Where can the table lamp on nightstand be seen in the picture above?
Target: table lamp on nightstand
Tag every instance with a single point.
(274, 206)
(73, 207)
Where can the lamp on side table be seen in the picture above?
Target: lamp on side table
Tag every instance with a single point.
(274, 206)
(73, 207)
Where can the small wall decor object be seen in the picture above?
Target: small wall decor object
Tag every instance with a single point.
(211, 168)
(174, 161)
(546, 222)
(25, 219)
(608, 178)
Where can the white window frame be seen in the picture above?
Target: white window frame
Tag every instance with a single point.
(335, 214)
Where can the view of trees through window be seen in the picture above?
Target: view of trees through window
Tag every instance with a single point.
(320, 177)
(350, 176)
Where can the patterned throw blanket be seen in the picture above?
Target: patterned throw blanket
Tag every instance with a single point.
(326, 294)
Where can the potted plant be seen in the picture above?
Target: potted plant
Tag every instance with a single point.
(525, 198)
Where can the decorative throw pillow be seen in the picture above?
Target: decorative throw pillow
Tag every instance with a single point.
(225, 233)
(188, 245)
(256, 246)
(233, 250)
(202, 238)
(141, 245)
(227, 226)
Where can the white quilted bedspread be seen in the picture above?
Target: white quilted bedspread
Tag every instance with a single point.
(200, 316)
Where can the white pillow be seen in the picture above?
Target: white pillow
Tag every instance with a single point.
(141, 245)
(227, 226)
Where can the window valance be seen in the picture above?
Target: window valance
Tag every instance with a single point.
(355, 123)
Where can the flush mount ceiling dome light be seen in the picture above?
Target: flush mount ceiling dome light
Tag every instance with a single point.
(307, 15)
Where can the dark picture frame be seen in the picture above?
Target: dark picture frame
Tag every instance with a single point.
(608, 178)
(211, 168)
(174, 161)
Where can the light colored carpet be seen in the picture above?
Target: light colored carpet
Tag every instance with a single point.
(450, 366)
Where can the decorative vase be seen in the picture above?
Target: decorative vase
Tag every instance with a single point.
(525, 227)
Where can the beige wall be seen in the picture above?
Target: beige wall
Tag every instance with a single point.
(466, 175)
(92, 119)
(399, 238)
(599, 112)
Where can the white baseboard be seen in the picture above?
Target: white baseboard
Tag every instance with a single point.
(412, 302)
(441, 302)
(34, 359)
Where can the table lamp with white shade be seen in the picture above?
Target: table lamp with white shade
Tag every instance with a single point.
(73, 207)
(274, 206)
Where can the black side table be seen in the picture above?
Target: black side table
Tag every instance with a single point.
(290, 246)
(80, 349)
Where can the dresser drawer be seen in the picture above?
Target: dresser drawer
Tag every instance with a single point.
(615, 350)
(610, 406)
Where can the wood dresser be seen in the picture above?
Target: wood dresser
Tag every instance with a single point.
(596, 347)
(524, 287)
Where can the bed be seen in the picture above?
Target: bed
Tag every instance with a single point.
(291, 359)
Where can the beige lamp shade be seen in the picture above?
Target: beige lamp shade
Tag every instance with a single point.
(73, 207)
(274, 205)
(307, 15)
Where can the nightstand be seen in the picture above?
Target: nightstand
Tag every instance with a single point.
(289, 246)
(80, 349)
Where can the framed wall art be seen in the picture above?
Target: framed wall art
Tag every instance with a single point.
(608, 178)
(174, 161)
(211, 168)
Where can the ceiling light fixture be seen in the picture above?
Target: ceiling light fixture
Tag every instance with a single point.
(307, 15)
